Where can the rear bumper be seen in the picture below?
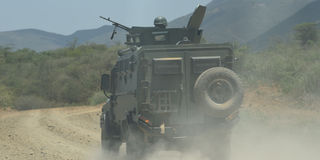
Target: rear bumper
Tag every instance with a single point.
(183, 132)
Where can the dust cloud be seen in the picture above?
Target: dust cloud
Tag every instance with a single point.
(280, 136)
(257, 136)
(160, 154)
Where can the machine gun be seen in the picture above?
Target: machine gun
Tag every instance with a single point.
(116, 24)
(156, 35)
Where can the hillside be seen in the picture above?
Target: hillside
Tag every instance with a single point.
(282, 31)
(226, 20)
(39, 40)
(243, 20)
(32, 38)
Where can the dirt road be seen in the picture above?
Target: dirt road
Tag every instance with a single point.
(61, 133)
(270, 128)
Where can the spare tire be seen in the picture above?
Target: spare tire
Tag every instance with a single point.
(218, 91)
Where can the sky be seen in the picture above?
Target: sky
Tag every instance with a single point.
(68, 16)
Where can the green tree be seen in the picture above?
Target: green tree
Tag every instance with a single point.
(306, 33)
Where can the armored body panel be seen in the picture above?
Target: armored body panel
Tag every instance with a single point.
(143, 74)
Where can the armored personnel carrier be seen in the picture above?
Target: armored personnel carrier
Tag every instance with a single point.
(168, 87)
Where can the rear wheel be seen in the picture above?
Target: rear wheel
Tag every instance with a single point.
(135, 143)
(220, 145)
(214, 141)
(110, 142)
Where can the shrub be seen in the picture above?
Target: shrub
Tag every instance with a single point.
(97, 98)
(306, 33)
(6, 97)
(65, 76)
(296, 71)
(30, 102)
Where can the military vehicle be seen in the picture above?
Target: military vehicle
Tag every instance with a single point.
(168, 87)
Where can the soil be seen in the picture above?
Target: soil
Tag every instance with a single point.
(59, 133)
(269, 122)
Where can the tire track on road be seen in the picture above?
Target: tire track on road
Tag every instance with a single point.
(64, 133)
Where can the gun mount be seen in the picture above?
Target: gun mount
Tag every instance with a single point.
(140, 36)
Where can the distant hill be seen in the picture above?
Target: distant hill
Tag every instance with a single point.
(41, 40)
(282, 31)
(100, 36)
(243, 20)
(32, 38)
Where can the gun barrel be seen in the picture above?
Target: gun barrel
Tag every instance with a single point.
(116, 24)
(107, 19)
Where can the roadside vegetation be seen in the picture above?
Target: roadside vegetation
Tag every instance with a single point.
(292, 67)
(68, 76)
(71, 76)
